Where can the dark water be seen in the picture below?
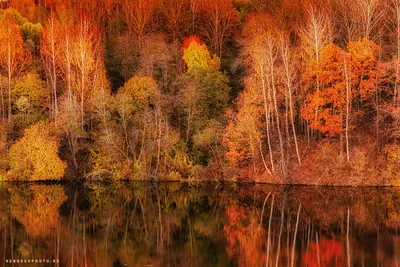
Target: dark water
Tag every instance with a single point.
(206, 224)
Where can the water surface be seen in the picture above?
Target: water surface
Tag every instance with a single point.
(205, 224)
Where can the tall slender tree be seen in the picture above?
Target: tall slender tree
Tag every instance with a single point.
(13, 56)
(221, 18)
(50, 51)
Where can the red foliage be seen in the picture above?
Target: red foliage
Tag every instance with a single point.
(189, 40)
(245, 239)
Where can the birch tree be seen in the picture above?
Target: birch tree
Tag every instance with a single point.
(50, 52)
(289, 81)
(221, 18)
(137, 16)
(395, 9)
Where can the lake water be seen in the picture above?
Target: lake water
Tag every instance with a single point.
(204, 224)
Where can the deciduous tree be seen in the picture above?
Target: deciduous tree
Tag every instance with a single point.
(30, 97)
(325, 103)
(343, 78)
(137, 16)
(205, 70)
(13, 55)
(221, 18)
(35, 156)
(51, 55)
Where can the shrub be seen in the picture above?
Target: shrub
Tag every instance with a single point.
(35, 155)
(393, 163)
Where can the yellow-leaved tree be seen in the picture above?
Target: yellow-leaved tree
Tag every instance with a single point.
(35, 155)
(204, 96)
(141, 92)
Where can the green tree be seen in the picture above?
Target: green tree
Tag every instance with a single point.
(204, 99)
(205, 71)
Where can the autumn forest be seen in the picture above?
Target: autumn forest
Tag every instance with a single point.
(272, 91)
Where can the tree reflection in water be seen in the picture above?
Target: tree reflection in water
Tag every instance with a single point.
(205, 224)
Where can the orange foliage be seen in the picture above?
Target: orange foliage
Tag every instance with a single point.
(27, 8)
(364, 67)
(221, 18)
(325, 82)
(235, 142)
(13, 55)
(243, 135)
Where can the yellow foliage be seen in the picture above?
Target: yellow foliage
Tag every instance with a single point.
(393, 163)
(142, 90)
(198, 58)
(35, 156)
(34, 90)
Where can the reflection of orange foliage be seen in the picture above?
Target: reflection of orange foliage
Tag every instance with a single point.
(245, 238)
(234, 228)
(37, 208)
(330, 254)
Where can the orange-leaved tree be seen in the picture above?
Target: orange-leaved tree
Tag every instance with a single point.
(364, 68)
(13, 55)
(220, 20)
(243, 136)
(338, 82)
(326, 100)
(343, 77)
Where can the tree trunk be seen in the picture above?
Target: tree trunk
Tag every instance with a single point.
(295, 235)
(266, 116)
(3, 111)
(53, 65)
(9, 80)
(347, 110)
(273, 88)
(288, 78)
(269, 230)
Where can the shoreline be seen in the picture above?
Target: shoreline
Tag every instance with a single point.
(105, 181)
